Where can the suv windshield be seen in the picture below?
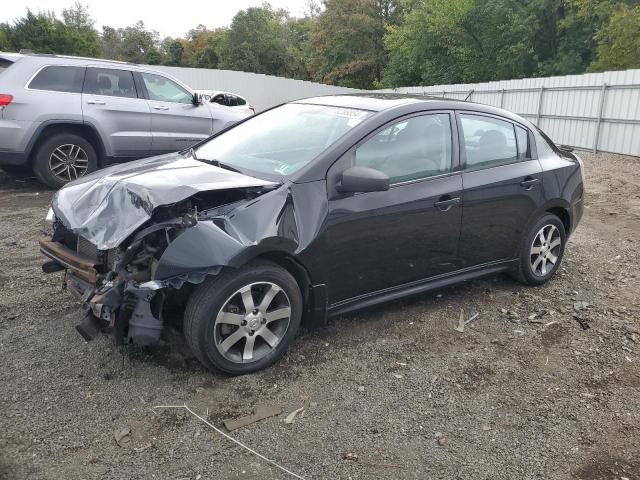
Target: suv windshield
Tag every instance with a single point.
(283, 140)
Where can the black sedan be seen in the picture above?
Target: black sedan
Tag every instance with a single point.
(310, 209)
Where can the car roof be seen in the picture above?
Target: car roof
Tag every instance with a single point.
(375, 102)
(381, 102)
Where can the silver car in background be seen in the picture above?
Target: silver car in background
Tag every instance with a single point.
(64, 117)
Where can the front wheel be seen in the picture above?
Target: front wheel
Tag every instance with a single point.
(542, 250)
(243, 320)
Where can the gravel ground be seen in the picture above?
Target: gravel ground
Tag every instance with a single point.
(393, 392)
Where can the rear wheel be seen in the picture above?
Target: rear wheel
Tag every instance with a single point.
(243, 320)
(542, 250)
(62, 158)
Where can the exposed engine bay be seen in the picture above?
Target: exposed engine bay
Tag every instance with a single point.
(124, 287)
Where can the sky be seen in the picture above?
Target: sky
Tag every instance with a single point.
(169, 18)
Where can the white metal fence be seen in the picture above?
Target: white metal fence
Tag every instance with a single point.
(595, 111)
(262, 91)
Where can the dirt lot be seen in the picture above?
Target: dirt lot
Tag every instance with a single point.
(523, 393)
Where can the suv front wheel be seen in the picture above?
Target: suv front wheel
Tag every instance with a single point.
(62, 158)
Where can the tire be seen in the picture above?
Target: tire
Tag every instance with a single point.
(219, 300)
(62, 158)
(536, 265)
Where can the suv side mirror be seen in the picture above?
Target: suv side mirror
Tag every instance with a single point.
(196, 100)
(363, 179)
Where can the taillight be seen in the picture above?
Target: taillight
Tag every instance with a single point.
(5, 99)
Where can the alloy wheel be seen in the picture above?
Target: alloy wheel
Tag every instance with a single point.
(545, 250)
(68, 162)
(245, 330)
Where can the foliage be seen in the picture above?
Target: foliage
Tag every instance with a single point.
(619, 40)
(347, 41)
(257, 41)
(368, 43)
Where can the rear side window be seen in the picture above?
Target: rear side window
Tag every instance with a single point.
(522, 135)
(59, 78)
(241, 101)
(488, 142)
(219, 99)
(411, 149)
(106, 81)
(232, 100)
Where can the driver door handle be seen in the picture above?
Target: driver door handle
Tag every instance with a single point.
(96, 102)
(161, 107)
(445, 203)
(529, 182)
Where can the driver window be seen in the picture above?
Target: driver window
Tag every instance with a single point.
(418, 147)
(165, 90)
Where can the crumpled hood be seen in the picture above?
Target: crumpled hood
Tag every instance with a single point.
(109, 205)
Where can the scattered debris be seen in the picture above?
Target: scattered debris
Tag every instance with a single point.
(209, 424)
(581, 305)
(462, 322)
(10, 242)
(355, 458)
(120, 434)
(292, 416)
(583, 322)
(260, 413)
(397, 375)
(361, 388)
(143, 448)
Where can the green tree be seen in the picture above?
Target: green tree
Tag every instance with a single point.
(139, 45)
(110, 43)
(444, 41)
(257, 42)
(172, 51)
(80, 32)
(202, 48)
(346, 41)
(619, 40)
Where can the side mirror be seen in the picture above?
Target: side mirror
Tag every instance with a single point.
(196, 100)
(363, 179)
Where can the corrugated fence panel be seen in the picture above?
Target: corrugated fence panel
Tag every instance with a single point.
(592, 111)
(571, 111)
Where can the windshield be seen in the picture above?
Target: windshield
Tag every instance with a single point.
(283, 140)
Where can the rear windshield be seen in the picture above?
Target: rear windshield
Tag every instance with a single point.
(59, 78)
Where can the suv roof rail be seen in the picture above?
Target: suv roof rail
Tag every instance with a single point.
(31, 53)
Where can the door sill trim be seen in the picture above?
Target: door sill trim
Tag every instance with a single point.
(420, 286)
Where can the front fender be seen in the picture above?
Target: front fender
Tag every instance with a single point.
(266, 224)
(206, 246)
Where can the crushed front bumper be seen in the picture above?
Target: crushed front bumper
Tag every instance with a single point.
(112, 306)
(79, 265)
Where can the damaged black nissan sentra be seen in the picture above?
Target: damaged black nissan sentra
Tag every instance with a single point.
(310, 209)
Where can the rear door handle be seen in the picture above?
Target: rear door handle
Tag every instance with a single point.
(445, 204)
(529, 182)
(96, 102)
(161, 107)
